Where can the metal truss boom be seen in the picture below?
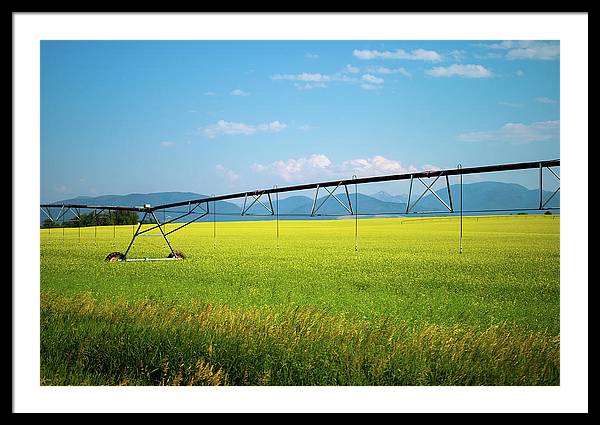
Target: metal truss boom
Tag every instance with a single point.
(334, 183)
(329, 186)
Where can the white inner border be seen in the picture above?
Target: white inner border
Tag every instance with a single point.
(570, 29)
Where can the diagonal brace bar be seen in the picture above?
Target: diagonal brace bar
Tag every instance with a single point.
(427, 188)
(331, 193)
(187, 223)
(48, 214)
(552, 171)
(176, 218)
(256, 199)
(312, 210)
(409, 194)
(135, 234)
(163, 233)
(264, 206)
(449, 193)
(543, 205)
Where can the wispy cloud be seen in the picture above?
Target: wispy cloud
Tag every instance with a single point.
(305, 80)
(388, 71)
(367, 81)
(510, 104)
(371, 82)
(431, 167)
(351, 69)
(209, 93)
(62, 189)
(545, 100)
(227, 174)
(311, 56)
(417, 54)
(373, 166)
(319, 166)
(371, 79)
(167, 144)
(517, 133)
(305, 76)
(227, 128)
(297, 170)
(466, 71)
(527, 49)
(239, 92)
(488, 55)
(309, 86)
(457, 55)
(308, 80)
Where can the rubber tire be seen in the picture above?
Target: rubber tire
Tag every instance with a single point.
(114, 257)
(178, 254)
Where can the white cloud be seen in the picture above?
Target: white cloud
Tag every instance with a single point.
(431, 167)
(418, 54)
(384, 70)
(545, 100)
(466, 71)
(167, 144)
(373, 166)
(227, 174)
(520, 73)
(537, 51)
(370, 86)
(311, 56)
(527, 49)
(223, 127)
(371, 82)
(209, 93)
(319, 167)
(62, 189)
(309, 86)
(510, 104)
(488, 55)
(502, 45)
(306, 127)
(457, 55)
(305, 76)
(371, 79)
(517, 133)
(297, 170)
(308, 80)
(239, 92)
(351, 69)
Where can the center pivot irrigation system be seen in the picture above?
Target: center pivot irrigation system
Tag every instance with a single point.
(199, 208)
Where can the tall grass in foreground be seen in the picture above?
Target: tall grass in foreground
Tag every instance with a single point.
(87, 341)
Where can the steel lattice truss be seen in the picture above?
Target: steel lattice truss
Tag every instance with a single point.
(199, 208)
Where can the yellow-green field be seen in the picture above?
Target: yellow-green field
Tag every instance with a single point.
(406, 309)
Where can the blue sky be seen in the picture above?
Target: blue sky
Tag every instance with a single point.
(122, 117)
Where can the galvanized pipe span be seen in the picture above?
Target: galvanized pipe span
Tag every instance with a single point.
(351, 209)
(354, 181)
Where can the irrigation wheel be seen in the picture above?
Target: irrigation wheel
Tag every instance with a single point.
(114, 257)
(178, 254)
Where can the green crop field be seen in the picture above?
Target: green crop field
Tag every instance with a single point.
(406, 309)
